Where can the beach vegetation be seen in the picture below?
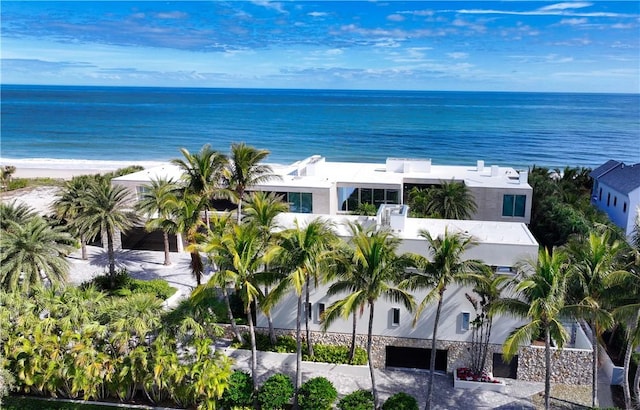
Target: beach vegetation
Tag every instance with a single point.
(68, 206)
(444, 267)
(126, 285)
(448, 200)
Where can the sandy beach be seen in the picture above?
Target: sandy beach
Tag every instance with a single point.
(66, 168)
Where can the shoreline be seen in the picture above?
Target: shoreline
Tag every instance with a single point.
(68, 168)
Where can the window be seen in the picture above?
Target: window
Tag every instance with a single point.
(608, 199)
(309, 310)
(600, 195)
(349, 198)
(141, 190)
(395, 317)
(299, 202)
(464, 323)
(615, 201)
(514, 205)
(320, 310)
(624, 208)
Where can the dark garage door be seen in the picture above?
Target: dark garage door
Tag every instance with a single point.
(414, 357)
(502, 369)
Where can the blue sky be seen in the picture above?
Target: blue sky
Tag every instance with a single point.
(572, 46)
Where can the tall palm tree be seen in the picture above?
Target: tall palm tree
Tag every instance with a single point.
(203, 172)
(592, 261)
(188, 222)
(445, 267)
(105, 209)
(377, 271)
(300, 254)
(261, 211)
(451, 200)
(540, 290)
(240, 252)
(158, 203)
(244, 170)
(31, 252)
(68, 207)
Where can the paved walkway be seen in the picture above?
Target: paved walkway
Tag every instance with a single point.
(346, 379)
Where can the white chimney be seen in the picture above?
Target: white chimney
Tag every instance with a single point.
(495, 170)
(480, 165)
(523, 177)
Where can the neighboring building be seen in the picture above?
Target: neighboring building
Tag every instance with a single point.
(616, 191)
(400, 343)
(317, 186)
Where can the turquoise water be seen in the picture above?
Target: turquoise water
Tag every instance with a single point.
(518, 129)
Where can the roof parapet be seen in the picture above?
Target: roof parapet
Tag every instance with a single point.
(406, 165)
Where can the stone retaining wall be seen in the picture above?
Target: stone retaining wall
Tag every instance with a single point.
(569, 366)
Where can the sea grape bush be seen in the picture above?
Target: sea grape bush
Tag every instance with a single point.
(317, 394)
(276, 392)
(358, 400)
(400, 401)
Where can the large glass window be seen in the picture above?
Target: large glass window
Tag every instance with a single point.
(349, 198)
(299, 202)
(514, 205)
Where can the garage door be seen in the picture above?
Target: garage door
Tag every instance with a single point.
(414, 358)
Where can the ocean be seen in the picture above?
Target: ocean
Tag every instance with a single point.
(152, 124)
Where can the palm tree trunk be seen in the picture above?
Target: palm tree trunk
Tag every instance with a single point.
(254, 358)
(196, 267)
(167, 260)
(594, 365)
(112, 259)
(83, 247)
(625, 379)
(432, 364)
(239, 209)
(298, 354)
(547, 365)
(374, 389)
(485, 345)
(307, 313)
(352, 349)
(636, 385)
(232, 320)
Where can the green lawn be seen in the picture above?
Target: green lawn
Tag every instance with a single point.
(30, 403)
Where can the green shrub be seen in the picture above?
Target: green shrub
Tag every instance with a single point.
(317, 394)
(17, 183)
(336, 354)
(400, 401)
(240, 391)
(358, 400)
(125, 285)
(276, 392)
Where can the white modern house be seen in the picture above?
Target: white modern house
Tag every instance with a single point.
(616, 191)
(315, 185)
(400, 343)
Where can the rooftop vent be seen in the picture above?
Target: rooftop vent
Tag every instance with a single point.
(392, 217)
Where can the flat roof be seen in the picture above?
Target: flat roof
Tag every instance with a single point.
(484, 232)
(315, 172)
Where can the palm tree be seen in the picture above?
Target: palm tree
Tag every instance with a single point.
(240, 253)
(377, 270)
(158, 203)
(31, 252)
(540, 299)
(68, 206)
(187, 213)
(14, 212)
(592, 261)
(261, 211)
(451, 200)
(202, 173)
(105, 209)
(300, 254)
(445, 268)
(244, 171)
